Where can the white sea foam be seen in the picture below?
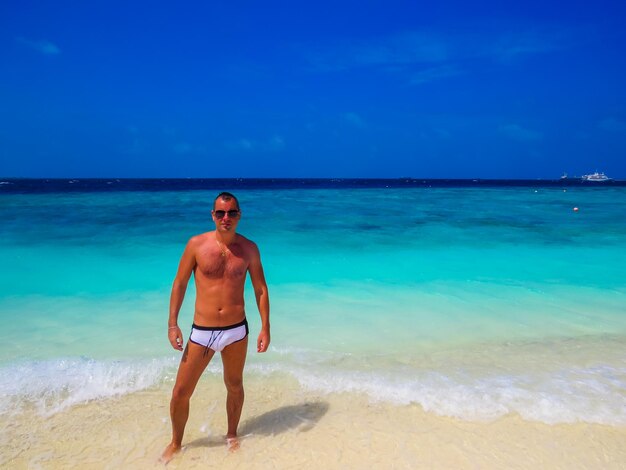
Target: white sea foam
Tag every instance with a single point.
(575, 394)
(592, 395)
(54, 385)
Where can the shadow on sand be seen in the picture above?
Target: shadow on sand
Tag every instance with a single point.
(302, 417)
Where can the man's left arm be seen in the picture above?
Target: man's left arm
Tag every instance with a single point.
(257, 277)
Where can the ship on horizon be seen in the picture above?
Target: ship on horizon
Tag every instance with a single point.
(596, 177)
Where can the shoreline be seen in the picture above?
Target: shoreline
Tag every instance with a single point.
(284, 426)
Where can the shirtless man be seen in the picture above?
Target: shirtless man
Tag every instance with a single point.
(219, 261)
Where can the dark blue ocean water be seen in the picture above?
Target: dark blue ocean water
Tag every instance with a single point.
(64, 185)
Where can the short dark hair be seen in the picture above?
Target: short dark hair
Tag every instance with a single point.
(226, 196)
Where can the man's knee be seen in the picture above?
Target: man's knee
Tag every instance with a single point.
(181, 392)
(234, 384)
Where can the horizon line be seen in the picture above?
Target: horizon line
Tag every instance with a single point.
(324, 178)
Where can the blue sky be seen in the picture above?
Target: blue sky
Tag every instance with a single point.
(322, 89)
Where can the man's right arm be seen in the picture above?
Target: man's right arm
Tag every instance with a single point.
(185, 268)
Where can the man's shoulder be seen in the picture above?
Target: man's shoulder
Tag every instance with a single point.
(198, 240)
(246, 242)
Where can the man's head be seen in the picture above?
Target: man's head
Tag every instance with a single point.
(226, 212)
(226, 196)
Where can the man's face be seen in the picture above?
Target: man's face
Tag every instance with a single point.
(225, 215)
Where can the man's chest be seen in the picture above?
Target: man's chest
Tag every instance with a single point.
(222, 265)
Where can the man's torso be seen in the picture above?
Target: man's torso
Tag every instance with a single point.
(220, 275)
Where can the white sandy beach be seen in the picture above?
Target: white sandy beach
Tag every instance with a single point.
(284, 427)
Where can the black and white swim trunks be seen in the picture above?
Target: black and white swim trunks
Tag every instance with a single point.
(218, 337)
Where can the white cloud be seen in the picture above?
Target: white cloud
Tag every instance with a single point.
(520, 133)
(354, 119)
(182, 148)
(422, 48)
(442, 133)
(240, 145)
(136, 147)
(612, 125)
(276, 143)
(434, 73)
(273, 144)
(185, 148)
(510, 47)
(406, 48)
(43, 47)
(413, 47)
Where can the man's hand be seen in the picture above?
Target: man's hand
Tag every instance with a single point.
(263, 342)
(176, 337)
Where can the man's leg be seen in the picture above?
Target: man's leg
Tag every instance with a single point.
(192, 364)
(233, 359)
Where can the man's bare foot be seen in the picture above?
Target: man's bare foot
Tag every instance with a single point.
(168, 454)
(232, 443)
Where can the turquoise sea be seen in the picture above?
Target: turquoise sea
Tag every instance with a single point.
(472, 302)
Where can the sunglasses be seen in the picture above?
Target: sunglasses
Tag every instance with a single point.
(231, 214)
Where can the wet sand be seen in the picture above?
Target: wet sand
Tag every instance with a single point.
(286, 427)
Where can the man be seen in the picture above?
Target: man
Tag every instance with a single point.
(219, 261)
